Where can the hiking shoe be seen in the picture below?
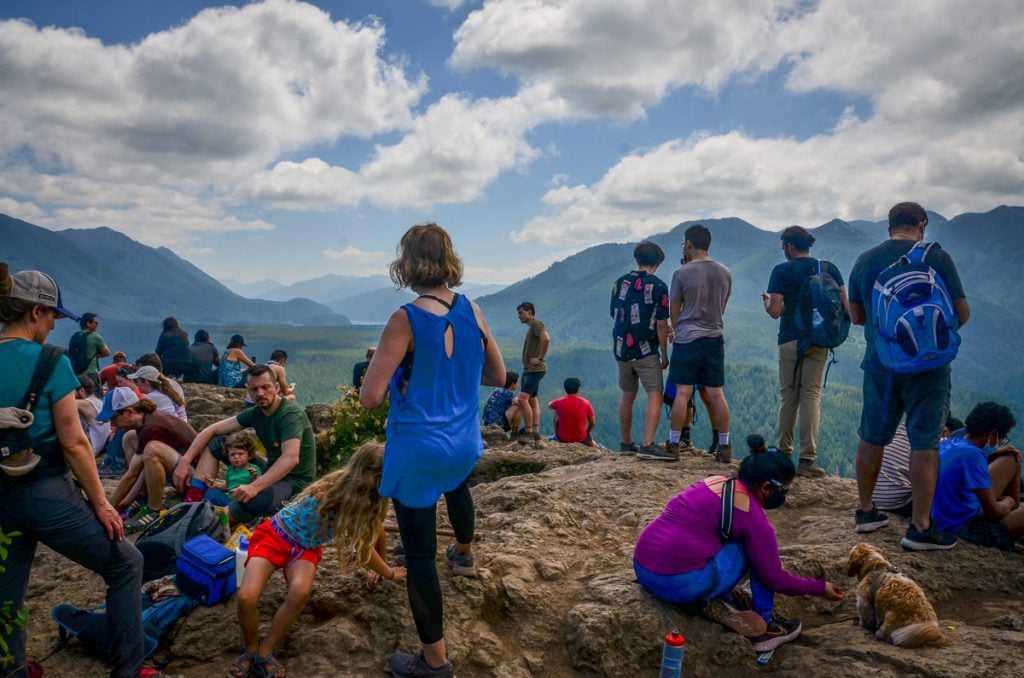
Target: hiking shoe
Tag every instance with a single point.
(932, 539)
(713, 447)
(869, 521)
(655, 453)
(143, 519)
(405, 665)
(809, 469)
(242, 667)
(523, 437)
(627, 448)
(746, 623)
(269, 667)
(685, 443)
(779, 632)
(724, 454)
(536, 443)
(463, 564)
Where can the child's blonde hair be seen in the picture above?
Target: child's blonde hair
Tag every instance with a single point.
(349, 501)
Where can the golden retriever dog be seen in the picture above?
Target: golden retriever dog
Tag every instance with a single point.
(891, 604)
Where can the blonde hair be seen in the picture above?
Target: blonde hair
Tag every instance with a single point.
(165, 387)
(349, 501)
(426, 258)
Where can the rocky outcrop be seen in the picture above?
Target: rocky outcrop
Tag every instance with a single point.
(556, 595)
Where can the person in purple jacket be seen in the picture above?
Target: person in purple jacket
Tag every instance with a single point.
(682, 557)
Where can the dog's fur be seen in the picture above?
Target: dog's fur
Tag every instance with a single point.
(891, 604)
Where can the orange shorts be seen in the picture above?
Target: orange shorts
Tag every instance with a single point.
(268, 544)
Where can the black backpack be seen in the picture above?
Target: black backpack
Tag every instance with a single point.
(820, 317)
(160, 543)
(77, 352)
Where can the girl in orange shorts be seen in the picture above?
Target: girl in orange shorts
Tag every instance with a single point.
(343, 506)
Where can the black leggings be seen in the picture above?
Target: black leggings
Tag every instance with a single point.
(418, 528)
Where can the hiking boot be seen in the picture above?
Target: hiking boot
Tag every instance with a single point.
(405, 665)
(523, 437)
(463, 564)
(143, 519)
(746, 623)
(724, 454)
(536, 443)
(242, 667)
(655, 453)
(869, 521)
(932, 539)
(627, 448)
(779, 632)
(809, 469)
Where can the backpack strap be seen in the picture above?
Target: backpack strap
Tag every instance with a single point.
(919, 252)
(48, 358)
(728, 501)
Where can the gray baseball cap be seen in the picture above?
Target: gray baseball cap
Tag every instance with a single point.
(38, 288)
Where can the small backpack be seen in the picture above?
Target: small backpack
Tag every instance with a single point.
(77, 352)
(160, 543)
(915, 323)
(821, 318)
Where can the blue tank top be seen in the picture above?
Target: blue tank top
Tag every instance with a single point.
(433, 433)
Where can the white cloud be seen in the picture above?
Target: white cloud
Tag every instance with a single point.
(356, 255)
(509, 274)
(450, 5)
(26, 211)
(945, 129)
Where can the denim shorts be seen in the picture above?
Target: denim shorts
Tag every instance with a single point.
(530, 383)
(924, 397)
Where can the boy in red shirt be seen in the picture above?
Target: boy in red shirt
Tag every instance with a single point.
(574, 416)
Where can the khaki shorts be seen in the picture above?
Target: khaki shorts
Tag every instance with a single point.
(645, 370)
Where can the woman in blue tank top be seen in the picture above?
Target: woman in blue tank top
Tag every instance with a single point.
(432, 357)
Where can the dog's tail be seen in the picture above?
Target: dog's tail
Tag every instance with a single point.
(919, 635)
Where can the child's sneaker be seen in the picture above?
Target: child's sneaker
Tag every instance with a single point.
(405, 665)
(779, 632)
(461, 563)
(744, 622)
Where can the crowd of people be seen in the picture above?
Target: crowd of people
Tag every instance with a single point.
(952, 480)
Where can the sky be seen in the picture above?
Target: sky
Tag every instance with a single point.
(289, 140)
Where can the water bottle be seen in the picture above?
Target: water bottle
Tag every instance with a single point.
(240, 556)
(816, 319)
(672, 655)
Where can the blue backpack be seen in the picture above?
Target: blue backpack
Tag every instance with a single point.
(915, 323)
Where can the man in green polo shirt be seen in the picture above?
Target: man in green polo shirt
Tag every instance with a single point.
(287, 436)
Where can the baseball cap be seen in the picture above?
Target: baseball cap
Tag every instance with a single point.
(116, 400)
(147, 372)
(38, 288)
(237, 339)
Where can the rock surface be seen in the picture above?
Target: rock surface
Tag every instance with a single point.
(556, 595)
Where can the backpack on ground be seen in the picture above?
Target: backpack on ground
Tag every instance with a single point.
(206, 571)
(915, 322)
(77, 349)
(161, 542)
(90, 626)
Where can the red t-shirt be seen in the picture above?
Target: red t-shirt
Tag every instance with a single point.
(108, 375)
(167, 429)
(573, 412)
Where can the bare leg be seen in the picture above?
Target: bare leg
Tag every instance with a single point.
(523, 403)
(718, 408)
(868, 465)
(679, 415)
(626, 416)
(535, 411)
(159, 459)
(257, 572)
(651, 416)
(124, 486)
(1005, 474)
(300, 585)
(924, 472)
(436, 653)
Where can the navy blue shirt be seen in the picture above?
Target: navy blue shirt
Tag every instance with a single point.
(786, 280)
(862, 280)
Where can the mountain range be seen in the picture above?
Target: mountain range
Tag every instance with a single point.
(106, 272)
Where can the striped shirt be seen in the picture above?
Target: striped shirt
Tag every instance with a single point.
(893, 490)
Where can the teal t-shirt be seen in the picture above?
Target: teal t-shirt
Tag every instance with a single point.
(19, 358)
(289, 422)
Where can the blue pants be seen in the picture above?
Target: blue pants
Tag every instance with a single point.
(717, 579)
(53, 511)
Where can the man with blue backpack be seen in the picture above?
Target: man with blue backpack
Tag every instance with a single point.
(808, 298)
(908, 296)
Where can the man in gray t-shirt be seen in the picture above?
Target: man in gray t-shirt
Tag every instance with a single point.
(697, 297)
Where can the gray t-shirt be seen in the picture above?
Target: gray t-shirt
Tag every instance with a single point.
(703, 287)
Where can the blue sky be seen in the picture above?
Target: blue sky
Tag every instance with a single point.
(289, 140)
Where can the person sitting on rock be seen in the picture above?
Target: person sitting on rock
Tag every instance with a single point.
(205, 359)
(574, 415)
(689, 554)
(502, 409)
(242, 469)
(173, 349)
(88, 407)
(977, 496)
(231, 373)
(154, 441)
(156, 387)
(108, 375)
(278, 361)
(892, 492)
(343, 507)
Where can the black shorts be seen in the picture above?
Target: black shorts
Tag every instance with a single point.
(698, 362)
(530, 383)
(984, 531)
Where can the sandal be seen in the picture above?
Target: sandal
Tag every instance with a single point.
(270, 667)
(242, 667)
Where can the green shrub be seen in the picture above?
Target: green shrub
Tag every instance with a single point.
(10, 619)
(353, 426)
